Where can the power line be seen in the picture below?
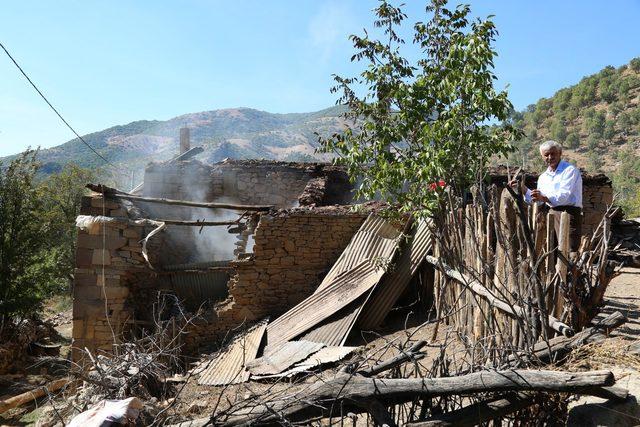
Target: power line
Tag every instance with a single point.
(56, 111)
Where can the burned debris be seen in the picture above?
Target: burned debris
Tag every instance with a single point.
(280, 275)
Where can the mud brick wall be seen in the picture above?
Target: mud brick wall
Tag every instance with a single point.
(108, 260)
(292, 253)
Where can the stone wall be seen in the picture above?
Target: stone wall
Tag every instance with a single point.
(292, 253)
(597, 196)
(108, 259)
(246, 181)
(114, 287)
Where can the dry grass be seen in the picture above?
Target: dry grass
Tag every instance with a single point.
(604, 354)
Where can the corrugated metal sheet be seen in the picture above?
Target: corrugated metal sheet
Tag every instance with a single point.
(376, 240)
(280, 357)
(229, 365)
(396, 281)
(344, 289)
(196, 283)
(324, 356)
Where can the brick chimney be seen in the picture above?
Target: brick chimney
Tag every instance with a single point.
(185, 142)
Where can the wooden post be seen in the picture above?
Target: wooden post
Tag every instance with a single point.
(561, 264)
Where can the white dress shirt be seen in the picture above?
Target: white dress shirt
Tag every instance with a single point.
(563, 186)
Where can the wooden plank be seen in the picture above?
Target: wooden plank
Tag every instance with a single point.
(561, 265)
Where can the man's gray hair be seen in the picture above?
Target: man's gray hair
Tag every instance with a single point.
(548, 145)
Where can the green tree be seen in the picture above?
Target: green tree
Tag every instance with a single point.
(558, 130)
(594, 162)
(592, 142)
(635, 64)
(61, 203)
(625, 123)
(425, 121)
(26, 269)
(626, 182)
(609, 130)
(573, 140)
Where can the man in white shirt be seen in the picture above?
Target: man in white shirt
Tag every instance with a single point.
(560, 189)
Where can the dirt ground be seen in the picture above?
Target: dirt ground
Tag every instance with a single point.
(197, 401)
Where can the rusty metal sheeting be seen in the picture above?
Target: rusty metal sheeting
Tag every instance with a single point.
(376, 239)
(229, 365)
(196, 287)
(323, 357)
(335, 330)
(280, 357)
(396, 281)
(344, 289)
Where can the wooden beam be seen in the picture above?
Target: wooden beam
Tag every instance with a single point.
(112, 192)
(30, 396)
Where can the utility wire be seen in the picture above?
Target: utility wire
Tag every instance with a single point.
(56, 111)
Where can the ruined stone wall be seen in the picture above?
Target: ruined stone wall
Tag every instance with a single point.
(292, 253)
(108, 260)
(597, 196)
(245, 181)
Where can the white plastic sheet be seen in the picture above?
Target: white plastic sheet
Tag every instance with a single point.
(107, 412)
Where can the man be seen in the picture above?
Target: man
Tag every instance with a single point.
(560, 189)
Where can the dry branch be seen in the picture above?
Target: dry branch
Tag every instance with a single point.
(480, 412)
(510, 309)
(413, 353)
(351, 392)
(559, 347)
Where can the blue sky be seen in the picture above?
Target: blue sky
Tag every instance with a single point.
(109, 63)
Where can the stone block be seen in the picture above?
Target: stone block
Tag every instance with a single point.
(132, 233)
(100, 242)
(99, 202)
(83, 257)
(101, 257)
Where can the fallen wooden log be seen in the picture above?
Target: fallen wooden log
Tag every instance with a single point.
(108, 191)
(30, 396)
(500, 406)
(559, 347)
(351, 392)
(480, 412)
(495, 302)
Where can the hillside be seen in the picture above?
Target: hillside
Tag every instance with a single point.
(238, 133)
(598, 123)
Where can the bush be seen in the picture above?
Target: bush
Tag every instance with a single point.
(573, 140)
(37, 233)
(635, 64)
(25, 266)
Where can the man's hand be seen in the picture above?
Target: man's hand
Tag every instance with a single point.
(537, 196)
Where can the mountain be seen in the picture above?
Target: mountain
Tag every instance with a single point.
(594, 119)
(237, 133)
(598, 123)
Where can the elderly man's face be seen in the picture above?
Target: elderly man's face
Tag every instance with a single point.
(551, 157)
